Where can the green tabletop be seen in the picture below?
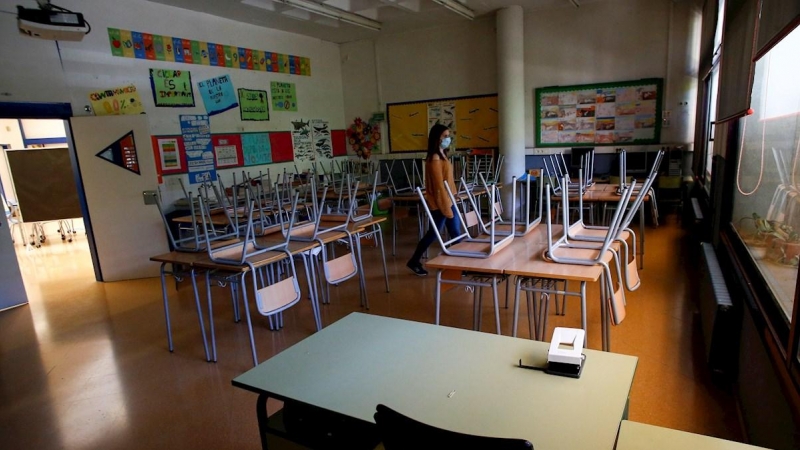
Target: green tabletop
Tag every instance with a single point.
(451, 378)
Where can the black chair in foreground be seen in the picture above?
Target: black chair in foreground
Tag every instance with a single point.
(399, 432)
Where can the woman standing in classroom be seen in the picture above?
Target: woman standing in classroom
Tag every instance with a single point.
(438, 169)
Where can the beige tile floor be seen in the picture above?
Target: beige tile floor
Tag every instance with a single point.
(86, 365)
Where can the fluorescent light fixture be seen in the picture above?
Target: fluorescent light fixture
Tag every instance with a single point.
(457, 7)
(333, 13)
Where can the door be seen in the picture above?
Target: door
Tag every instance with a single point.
(12, 290)
(110, 151)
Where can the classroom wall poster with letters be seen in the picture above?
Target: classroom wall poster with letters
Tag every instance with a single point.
(284, 96)
(171, 88)
(302, 141)
(256, 149)
(218, 94)
(321, 137)
(599, 114)
(227, 150)
(253, 104)
(116, 101)
(139, 45)
(196, 132)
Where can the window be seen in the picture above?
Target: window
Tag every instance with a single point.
(710, 91)
(766, 206)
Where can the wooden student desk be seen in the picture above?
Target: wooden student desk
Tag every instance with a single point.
(638, 436)
(523, 258)
(449, 378)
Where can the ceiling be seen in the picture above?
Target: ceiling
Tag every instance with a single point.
(393, 15)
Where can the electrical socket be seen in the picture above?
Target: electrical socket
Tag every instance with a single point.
(539, 151)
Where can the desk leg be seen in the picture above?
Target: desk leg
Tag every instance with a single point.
(247, 316)
(166, 305)
(311, 291)
(496, 305)
(211, 317)
(517, 286)
(583, 311)
(263, 419)
(200, 314)
(641, 235)
(362, 279)
(394, 229)
(438, 294)
(603, 312)
(377, 228)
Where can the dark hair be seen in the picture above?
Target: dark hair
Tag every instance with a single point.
(434, 138)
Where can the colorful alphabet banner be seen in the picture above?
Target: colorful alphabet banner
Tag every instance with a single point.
(196, 132)
(253, 105)
(171, 88)
(284, 96)
(218, 94)
(134, 44)
(116, 101)
(599, 114)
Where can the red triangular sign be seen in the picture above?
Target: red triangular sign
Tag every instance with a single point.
(122, 153)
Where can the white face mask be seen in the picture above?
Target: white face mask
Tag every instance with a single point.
(446, 142)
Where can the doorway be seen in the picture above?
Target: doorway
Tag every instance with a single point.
(49, 242)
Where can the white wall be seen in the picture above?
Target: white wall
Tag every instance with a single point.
(32, 71)
(612, 40)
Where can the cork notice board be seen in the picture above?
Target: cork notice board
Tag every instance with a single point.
(44, 184)
(472, 122)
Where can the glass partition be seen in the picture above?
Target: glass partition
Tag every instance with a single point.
(766, 206)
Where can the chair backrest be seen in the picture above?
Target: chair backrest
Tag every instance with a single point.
(236, 252)
(645, 189)
(613, 228)
(399, 432)
(285, 225)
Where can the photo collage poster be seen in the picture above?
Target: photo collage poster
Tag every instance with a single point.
(603, 115)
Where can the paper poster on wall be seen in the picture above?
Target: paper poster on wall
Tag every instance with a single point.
(116, 101)
(609, 113)
(321, 137)
(122, 153)
(227, 150)
(256, 149)
(284, 96)
(253, 104)
(302, 141)
(171, 88)
(169, 154)
(196, 132)
(218, 94)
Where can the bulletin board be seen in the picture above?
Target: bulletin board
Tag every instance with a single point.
(472, 122)
(621, 113)
(44, 198)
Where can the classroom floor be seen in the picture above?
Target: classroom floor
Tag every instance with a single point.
(86, 365)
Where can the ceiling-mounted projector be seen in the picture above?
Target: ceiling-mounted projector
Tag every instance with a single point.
(57, 25)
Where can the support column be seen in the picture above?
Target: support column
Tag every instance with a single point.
(511, 96)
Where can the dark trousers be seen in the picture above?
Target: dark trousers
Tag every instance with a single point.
(439, 221)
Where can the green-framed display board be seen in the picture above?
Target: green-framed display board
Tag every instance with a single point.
(621, 113)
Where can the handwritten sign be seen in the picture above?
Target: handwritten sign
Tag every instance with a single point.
(218, 94)
(116, 101)
(196, 131)
(284, 96)
(256, 148)
(171, 88)
(253, 104)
